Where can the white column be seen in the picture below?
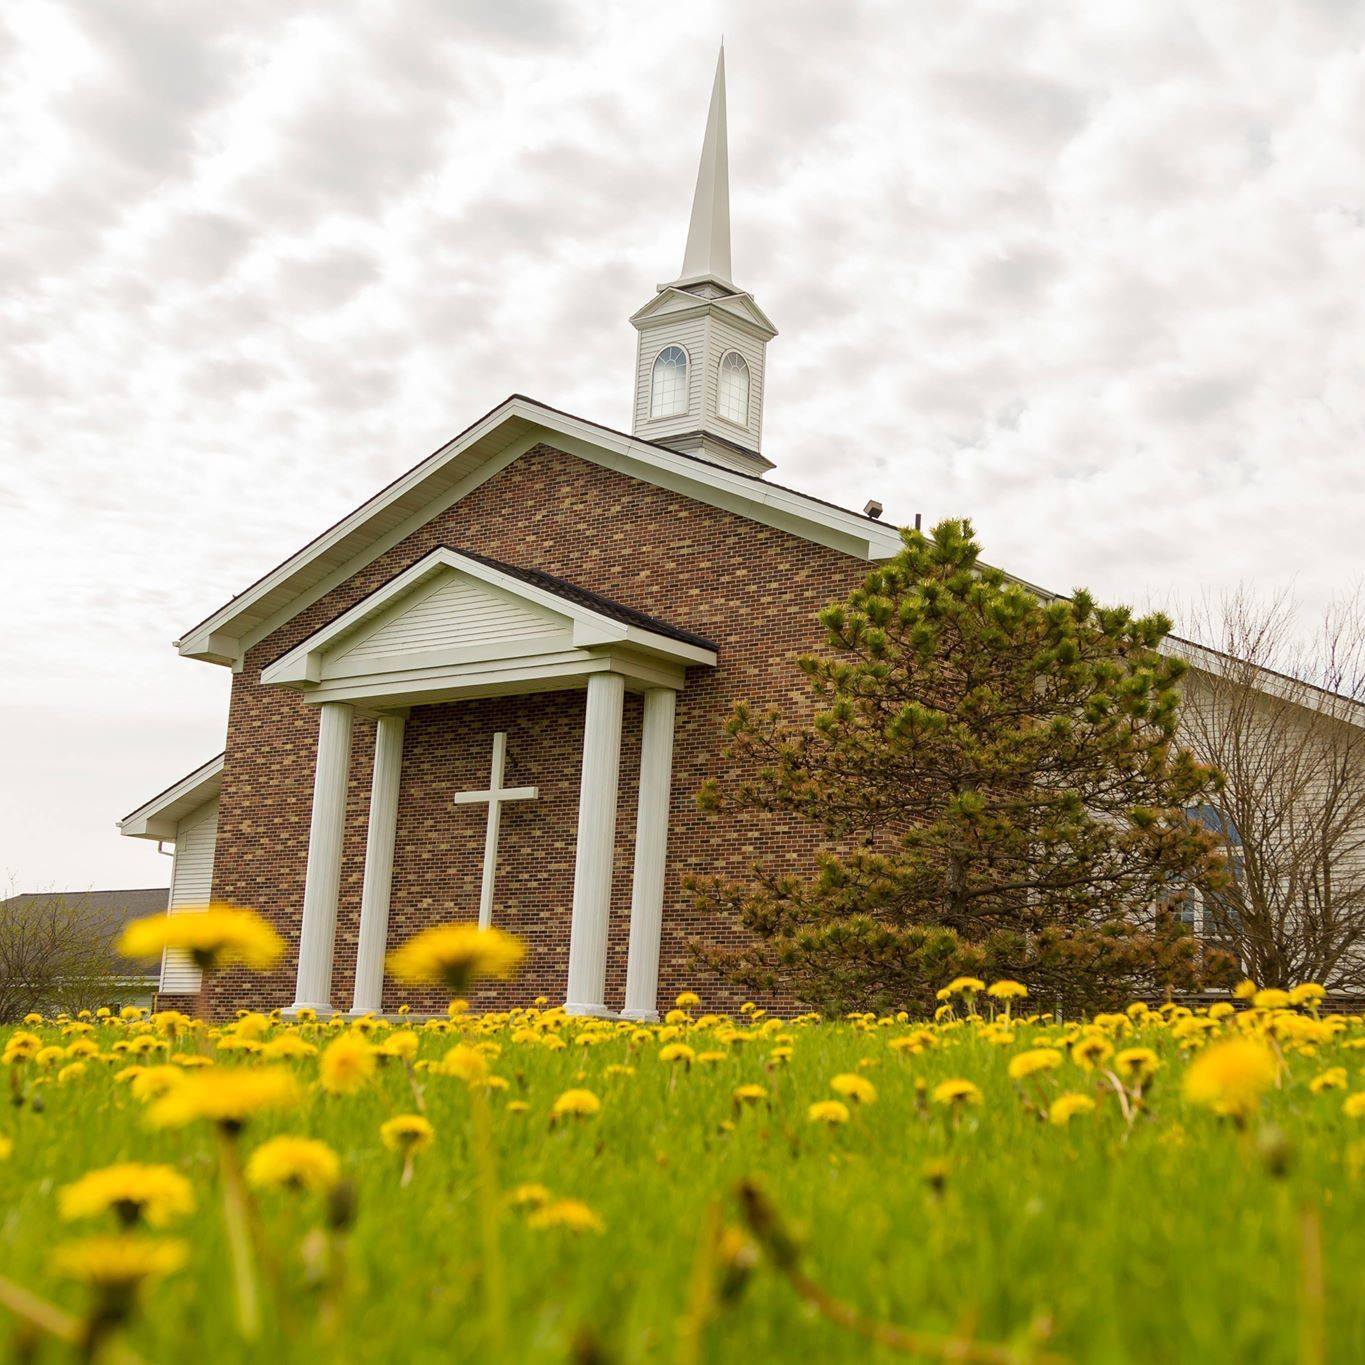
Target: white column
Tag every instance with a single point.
(651, 849)
(317, 935)
(374, 896)
(596, 844)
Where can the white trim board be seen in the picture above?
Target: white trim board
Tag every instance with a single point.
(460, 466)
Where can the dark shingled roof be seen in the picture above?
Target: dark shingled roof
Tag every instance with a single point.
(582, 597)
(115, 908)
(570, 592)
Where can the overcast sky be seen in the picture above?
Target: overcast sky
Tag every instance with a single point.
(1090, 273)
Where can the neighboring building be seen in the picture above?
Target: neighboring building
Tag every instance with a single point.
(493, 690)
(93, 920)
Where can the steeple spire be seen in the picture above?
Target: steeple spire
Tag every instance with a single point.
(708, 234)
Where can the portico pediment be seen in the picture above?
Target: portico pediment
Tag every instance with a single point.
(456, 623)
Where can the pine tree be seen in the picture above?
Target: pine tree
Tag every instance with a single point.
(999, 787)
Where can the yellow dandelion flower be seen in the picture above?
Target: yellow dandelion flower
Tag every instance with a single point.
(1033, 1061)
(21, 1047)
(1007, 990)
(687, 1000)
(1091, 1051)
(132, 1191)
(578, 1104)
(406, 1133)
(466, 1062)
(1222, 1010)
(711, 1058)
(72, 1071)
(1354, 1105)
(677, 1052)
(288, 1047)
(1244, 990)
(529, 1196)
(6, 1147)
(749, 1094)
(347, 1064)
(455, 955)
(1137, 1064)
(1066, 1107)
(1230, 1077)
(1334, 1078)
(1307, 993)
(295, 1163)
(215, 937)
(955, 1091)
(570, 1214)
(858, 1089)
(119, 1263)
(829, 1112)
(151, 1082)
(402, 1044)
(1270, 999)
(225, 1097)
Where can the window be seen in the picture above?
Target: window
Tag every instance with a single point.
(668, 386)
(1189, 904)
(732, 396)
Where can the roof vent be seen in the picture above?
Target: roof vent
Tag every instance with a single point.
(873, 509)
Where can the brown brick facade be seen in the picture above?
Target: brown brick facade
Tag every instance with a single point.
(751, 589)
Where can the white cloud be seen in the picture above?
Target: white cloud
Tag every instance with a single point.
(1089, 274)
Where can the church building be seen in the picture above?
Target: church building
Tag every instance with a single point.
(493, 691)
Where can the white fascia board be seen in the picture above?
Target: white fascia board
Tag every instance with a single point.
(157, 818)
(302, 664)
(222, 638)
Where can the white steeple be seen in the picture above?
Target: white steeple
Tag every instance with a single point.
(708, 234)
(703, 341)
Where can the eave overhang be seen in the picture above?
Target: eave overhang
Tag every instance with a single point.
(158, 818)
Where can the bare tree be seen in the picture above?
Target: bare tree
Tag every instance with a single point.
(57, 953)
(1281, 713)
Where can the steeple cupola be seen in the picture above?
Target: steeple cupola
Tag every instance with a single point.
(703, 342)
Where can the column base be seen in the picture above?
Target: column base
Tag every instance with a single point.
(593, 1011)
(640, 1016)
(355, 1012)
(322, 1011)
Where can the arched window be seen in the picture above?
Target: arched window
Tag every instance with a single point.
(732, 396)
(668, 386)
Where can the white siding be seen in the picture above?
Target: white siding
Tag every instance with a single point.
(723, 338)
(455, 612)
(196, 836)
(691, 336)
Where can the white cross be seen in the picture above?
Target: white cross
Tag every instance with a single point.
(493, 797)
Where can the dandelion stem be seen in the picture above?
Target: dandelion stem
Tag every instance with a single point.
(237, 1221)
(48, 1318)
(701, 1289)
(1312, 1333)
(495, 1295)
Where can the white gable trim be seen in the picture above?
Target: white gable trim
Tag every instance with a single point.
(462, 465)
(302, 665)
(160, 817)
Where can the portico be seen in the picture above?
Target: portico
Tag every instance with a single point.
(458, 626)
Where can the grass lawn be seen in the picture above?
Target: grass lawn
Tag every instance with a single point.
(1150, 1228)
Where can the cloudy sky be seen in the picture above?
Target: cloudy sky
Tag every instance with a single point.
(1091, 273)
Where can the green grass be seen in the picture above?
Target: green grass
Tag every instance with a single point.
(1172, 1241)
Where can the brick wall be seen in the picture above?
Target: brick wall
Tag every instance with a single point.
(751, 589)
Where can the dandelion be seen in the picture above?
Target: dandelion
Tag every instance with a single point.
(1033, 1061)
(1067, 1107)
(133, 1192)
(1308, 993)
(576, 1104)
(465, 1062)
(456, 955)
(347, 1064)
(1230, 1077)
(1354, 1105)
(687, 1000)
(1091, 1051)
(403, 1044)
(227, 1098)
(677, 1052)
(831, 1113)
(570, 1214)
(748, 1094)
(119, 1263)
(406, 1134)
(288, 1047)
(955, 1092)
(1334, 1078)
(529, 1196)
(293, 1163)
(6, 1147)
(216, 937)
(858, 1089)
(1137, 1064)
(779, 1056)
(21, 1047)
